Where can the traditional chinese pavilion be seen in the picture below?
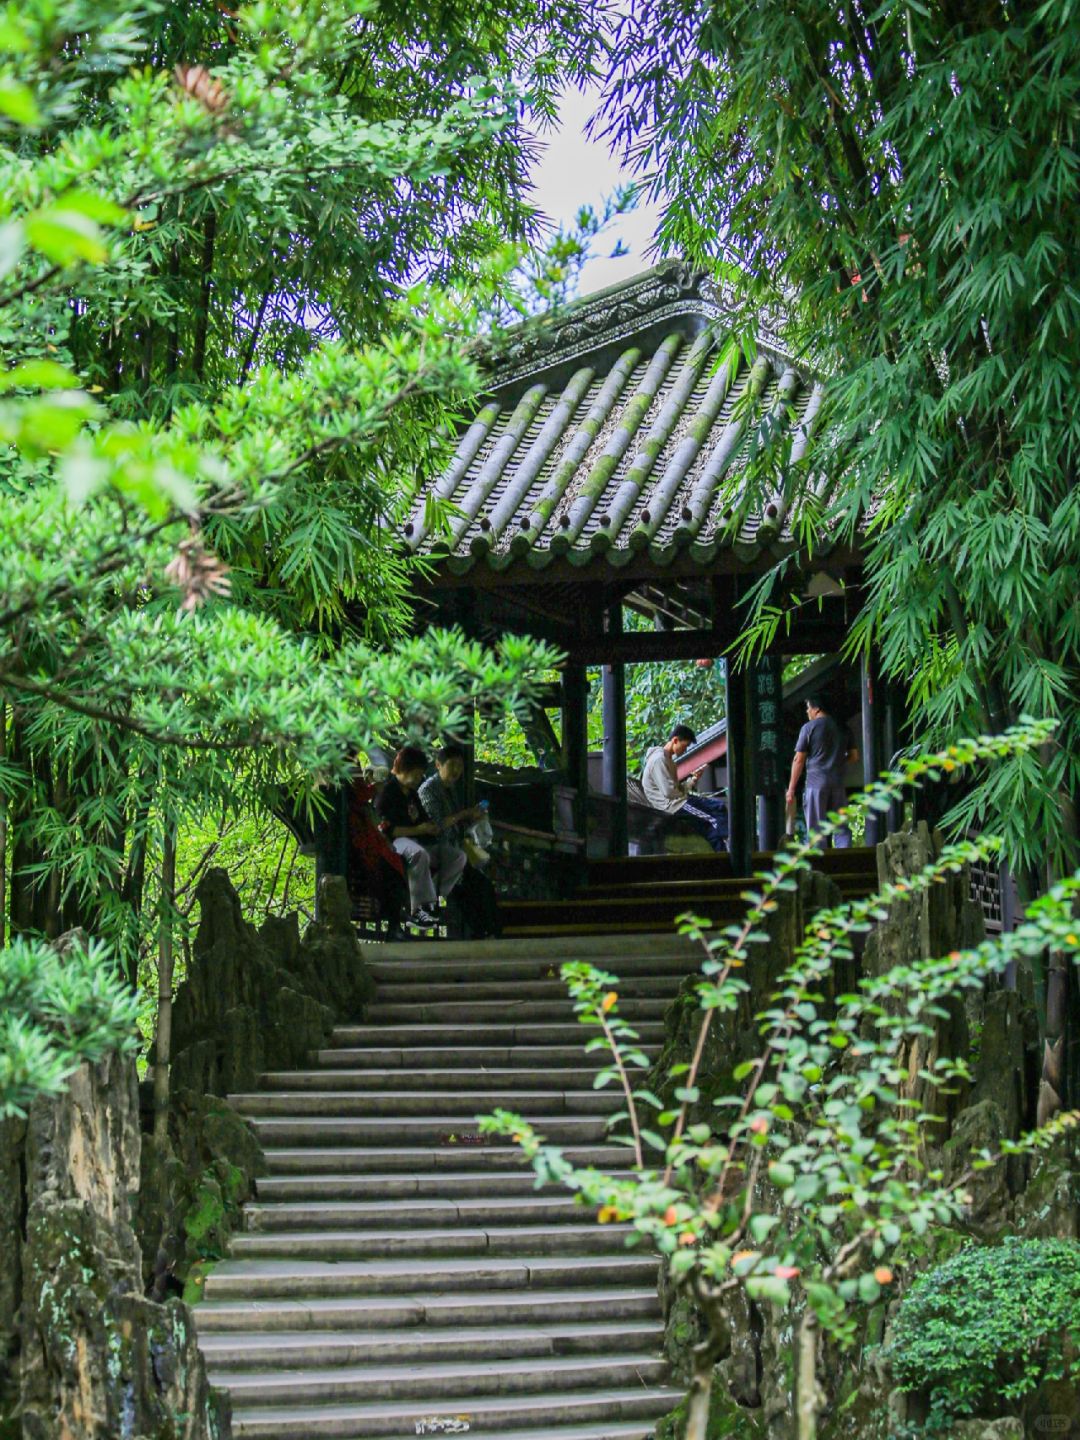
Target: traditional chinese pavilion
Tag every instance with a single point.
(601, 477)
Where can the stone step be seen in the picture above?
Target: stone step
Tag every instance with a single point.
(320, 1349)
(662, 957)
(860, 859)
(449, 1184)
(484, 1415)
(257, 1279)
(458, 1153)
(508, 1010)
(656, 911)
(418, 1130)
(572, 926)
(354, 1313)
(464, 1057)
(400, 991)
(512, 1031)
(330, 1385)
(513, 1241)
(595, 949)
(424, 1104)
(604, 1430)
(852, 883)
(559, 1078)
(337, 1214)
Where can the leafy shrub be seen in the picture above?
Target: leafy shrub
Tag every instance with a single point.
(989, 1326)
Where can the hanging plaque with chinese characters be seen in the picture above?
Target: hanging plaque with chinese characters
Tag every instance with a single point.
(766, 740)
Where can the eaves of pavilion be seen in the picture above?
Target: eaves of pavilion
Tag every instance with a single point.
(603, 471)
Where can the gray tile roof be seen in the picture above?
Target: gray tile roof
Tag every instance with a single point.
(615, 431)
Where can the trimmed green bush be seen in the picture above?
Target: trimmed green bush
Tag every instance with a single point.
(987, 1328)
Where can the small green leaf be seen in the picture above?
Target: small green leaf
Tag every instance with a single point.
(760, 1226)
(12, 244)
(17, 103)
(65, 237)
(768, 1287)
(39, 375)
(95, 207)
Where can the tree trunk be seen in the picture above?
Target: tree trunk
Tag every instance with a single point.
(697, 1415)
(27, 902)
(3, 831)
(165, 969)
(806, 1394)
(202, 324)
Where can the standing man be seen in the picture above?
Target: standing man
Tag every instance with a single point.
(824, 751)
(665, 791)
(407, 827)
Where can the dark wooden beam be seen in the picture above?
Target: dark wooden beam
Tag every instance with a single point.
(807, 636)
(871, 745)
(575, 741)
(637, 569)
(740, 775)
(614, 682)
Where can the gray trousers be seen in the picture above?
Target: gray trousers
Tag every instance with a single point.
(818, 800)
(426, 866)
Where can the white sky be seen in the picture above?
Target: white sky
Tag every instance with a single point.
(575, 171)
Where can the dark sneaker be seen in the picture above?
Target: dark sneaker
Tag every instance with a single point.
(424, 918)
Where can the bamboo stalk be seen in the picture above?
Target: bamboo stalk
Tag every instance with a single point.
(163, 1045)
(3, 831)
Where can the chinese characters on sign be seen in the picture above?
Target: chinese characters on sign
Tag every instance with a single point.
(766, 685)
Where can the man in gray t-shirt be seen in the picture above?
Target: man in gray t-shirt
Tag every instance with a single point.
(823, 751)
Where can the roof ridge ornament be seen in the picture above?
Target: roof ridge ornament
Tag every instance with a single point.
(617, 314)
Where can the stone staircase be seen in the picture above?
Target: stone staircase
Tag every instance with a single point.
(646, 893)
(398, 1274)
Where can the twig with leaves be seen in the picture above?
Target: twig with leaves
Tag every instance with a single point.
(816, 1169)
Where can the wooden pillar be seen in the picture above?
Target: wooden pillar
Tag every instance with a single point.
(468, 774)
(575, 742)
(871, 743)
(332, 841)
(888, 705)
(740, 773)
(614, 771)
(766, 681)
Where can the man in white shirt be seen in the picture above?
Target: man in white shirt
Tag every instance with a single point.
(665, 791)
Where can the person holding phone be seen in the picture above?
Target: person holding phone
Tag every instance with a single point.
(665, 791)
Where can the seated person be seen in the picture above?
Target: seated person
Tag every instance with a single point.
(402, 818)
(375, 868)
(665, 791)
(475, 894)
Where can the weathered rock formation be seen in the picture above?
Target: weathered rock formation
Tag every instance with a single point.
(93, 1213)
(96, 1359)
(252, 1000)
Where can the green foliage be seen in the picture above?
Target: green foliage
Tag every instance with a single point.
(896, 187)
(251, 261)
(57, 1011)
(802, 1181)
(984, 1330)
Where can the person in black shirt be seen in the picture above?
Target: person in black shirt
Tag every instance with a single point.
(406, 826)
(823, 751)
